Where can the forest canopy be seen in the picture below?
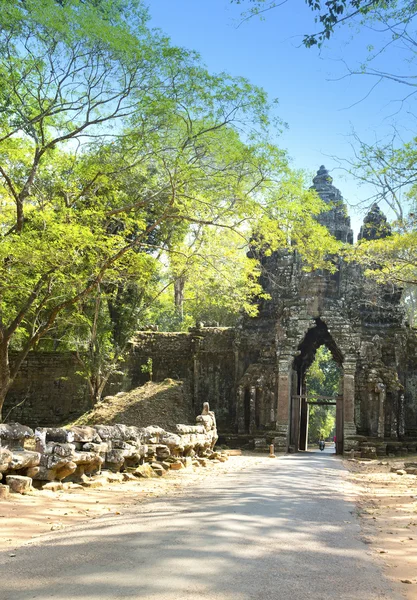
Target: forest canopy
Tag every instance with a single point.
(128, 169)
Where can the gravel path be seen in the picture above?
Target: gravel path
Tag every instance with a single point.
(282, 529)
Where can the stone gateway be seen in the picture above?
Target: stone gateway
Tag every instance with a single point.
(254, 375)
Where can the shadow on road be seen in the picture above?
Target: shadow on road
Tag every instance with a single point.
(281, 530)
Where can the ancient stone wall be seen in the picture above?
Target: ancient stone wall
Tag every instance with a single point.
(47, 390)
(204, 357)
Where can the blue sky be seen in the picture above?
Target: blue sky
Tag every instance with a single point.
(320, 105)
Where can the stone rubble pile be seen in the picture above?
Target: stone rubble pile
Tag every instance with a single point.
(78, 454)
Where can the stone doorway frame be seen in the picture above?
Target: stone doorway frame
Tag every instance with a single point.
(292, 388)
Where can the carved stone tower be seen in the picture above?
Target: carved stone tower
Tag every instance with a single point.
(336, 219)
(359, 321)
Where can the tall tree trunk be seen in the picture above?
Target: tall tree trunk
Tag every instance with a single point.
(179, 285)
(5, 377)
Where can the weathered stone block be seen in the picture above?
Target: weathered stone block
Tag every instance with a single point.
(85, 434)
(19, 484)
(24, 459)
(145, 470)
(4, 491)
(6, 458)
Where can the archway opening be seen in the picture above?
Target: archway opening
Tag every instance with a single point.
(317, 388)
(323, 380)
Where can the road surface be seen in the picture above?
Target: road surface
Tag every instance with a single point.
(282, 530)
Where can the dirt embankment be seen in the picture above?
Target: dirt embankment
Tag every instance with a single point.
(164, 404)
(388, 509)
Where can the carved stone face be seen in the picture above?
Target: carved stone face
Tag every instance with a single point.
(206, 408)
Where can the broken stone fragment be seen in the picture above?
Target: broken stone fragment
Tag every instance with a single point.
(24, 459)
(162, 452)
(19, 484)
(57, 472)
(64, 450)
(85, 434)
(105, 432)
(126, 433)
(151, 434)
(53, 486)
(6, 458)
(101, 448)
(54, 434)
(32, 472)
(94, 483)
(183, 429)
(14, 432)
(65, 470)
(115, 459)
(112, 477)
(4, 491)
(86, 458)
(159, 469)
(145, 470)
(173, 441)
(176, 466)
(128, 477)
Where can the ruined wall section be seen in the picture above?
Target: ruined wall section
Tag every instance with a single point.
(47, 390)
(203, 357)
(170, 353)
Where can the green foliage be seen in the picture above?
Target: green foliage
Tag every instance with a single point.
(322, 379)
(117, 152)
(148, 368)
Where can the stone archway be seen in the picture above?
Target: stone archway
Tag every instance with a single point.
(316, 336)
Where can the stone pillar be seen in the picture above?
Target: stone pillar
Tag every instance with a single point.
(349, 427)
(240, 409)
(394, 417)
(283, 405)
(196, 370)
(381, 394)
(252, 409)
(401, 417)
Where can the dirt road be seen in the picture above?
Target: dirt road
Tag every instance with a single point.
(273, 529)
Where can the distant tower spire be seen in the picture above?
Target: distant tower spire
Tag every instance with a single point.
(336, 219)
(375, 225)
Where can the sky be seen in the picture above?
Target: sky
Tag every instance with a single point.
(319, 101)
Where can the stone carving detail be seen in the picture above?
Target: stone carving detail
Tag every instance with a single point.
(375, 225)
(336, 219)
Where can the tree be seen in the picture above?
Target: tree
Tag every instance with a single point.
(337, 12)
(113, 143)
(391, 171)
(322, 379)
(216, 279)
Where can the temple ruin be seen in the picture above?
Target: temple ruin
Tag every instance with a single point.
(254, 375)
